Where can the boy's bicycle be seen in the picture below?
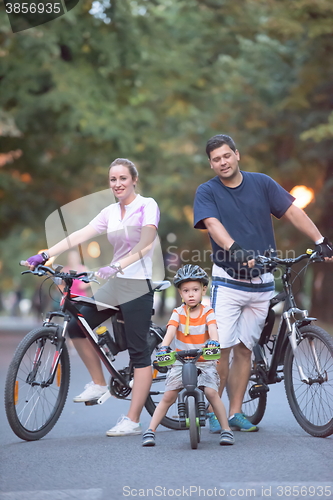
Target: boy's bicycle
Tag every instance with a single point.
(38, 377)
(191, 401)
(300, 353)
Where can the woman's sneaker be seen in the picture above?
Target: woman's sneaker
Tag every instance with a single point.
(148, 438)
(226, 438)
(91, 391)
(239, 422)
(214, 424)
(125, 427)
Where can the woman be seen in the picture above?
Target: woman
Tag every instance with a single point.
(131, 226)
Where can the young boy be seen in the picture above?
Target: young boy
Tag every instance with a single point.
(193, 326)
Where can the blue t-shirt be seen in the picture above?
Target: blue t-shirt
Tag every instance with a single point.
(245, 212)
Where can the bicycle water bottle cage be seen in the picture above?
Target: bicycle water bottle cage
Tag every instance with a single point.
(211, 353)
(166, 359)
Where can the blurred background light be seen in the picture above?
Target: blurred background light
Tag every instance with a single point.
(303, 195)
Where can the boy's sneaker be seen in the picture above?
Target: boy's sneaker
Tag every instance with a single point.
(214, 424)
(91, 391)
(226, 438)
(239, 422)
(148, 438)
(125, 427)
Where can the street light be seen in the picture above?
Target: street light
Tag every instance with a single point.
(303, 195)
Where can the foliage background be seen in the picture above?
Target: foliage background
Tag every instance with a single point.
(152, 80)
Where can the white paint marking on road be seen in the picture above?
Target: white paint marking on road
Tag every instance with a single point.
(91, 494)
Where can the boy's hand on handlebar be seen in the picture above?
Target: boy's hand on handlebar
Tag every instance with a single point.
(325, 249)
(212, 343)
(163, 349)
(106, 272)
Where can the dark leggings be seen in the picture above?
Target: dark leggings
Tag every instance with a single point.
(136, 313)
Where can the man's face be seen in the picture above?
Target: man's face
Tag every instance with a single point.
(224, 162)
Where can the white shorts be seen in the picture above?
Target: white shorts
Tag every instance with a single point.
(207, 378)
(240, 314)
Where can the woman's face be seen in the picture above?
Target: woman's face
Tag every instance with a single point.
(122, 184)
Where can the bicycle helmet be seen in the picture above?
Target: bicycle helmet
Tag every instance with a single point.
(189, 272)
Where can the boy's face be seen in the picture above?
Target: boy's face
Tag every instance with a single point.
(191, 292)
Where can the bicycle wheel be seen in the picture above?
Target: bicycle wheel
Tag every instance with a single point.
(171, 420)
(192, 416)
(254, 408)
(32, 405)
(311, 403)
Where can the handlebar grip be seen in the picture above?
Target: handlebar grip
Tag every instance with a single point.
(24, 263)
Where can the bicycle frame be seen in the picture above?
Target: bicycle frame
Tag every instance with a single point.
(68, 304)
(292, 317)
(190, 377)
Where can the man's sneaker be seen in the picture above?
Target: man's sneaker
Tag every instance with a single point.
(148, 438)
(239, 422)
(226, 438)
(125, 427)
(91, 391)
(214, 424)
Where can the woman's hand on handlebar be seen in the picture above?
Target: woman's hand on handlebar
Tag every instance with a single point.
(36, 260)
(106, 272)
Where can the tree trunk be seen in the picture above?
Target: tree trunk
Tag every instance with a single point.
(322, 292)
(322, 286)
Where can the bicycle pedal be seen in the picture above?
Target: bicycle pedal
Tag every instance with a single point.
(257, 390)
(92, 402)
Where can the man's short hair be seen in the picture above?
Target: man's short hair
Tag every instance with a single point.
(217, 141)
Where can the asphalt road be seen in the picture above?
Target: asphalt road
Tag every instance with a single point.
(77, 461)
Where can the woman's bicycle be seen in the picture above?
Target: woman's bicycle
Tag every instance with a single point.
(299, 353)
(191, 399)
(38, 377)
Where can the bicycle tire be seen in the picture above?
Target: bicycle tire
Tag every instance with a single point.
(254, 408)
(311, 405)
(192, 416)
(171, 420)
(32, 411)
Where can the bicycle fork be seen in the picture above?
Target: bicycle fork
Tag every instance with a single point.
(292, 335)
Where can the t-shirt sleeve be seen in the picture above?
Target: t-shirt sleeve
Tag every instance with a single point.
(174, 320)
(100, 222)
(279, 199)
(151, 215)
(210, 317)
(204, 206)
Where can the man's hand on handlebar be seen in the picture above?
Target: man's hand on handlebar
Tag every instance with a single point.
(325, 250)
(239, 254)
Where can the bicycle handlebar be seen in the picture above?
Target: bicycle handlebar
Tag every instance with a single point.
(41, 270)
(266, 260)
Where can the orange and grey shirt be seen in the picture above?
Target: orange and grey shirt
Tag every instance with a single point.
(198, 327)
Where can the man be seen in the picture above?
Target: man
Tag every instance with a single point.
(236, 208)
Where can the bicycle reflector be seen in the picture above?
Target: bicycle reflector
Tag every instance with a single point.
(166, 359)
(211, 353)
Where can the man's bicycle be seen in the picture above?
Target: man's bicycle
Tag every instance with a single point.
(299, 353)
(38, 377)
(191, 399)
